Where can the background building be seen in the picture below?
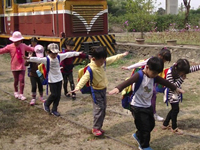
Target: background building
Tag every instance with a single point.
(171, 6)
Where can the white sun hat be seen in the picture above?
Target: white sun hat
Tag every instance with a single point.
(16, 36)
(39, 50)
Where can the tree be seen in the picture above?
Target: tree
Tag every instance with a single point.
(161, 11)
(187, 6)
(142, 14)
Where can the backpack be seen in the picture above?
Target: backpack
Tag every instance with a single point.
(44, 71)
(128, 93)
(87, 88)
(160, 88)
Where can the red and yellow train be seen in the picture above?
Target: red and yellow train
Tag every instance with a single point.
(84, 21)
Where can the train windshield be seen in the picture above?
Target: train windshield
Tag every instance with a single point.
(22, 1)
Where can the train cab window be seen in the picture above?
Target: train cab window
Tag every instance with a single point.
(8, 3)
(22, 1)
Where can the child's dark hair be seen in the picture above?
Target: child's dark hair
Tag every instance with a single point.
(182, 65)
(34, 39)
(155, 64)
(70, 43)
(165, 54)
(98, 52)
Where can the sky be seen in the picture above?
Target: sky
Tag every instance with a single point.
(194, 3)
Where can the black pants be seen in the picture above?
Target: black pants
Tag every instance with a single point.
(34, 82)
(68, 77)
(144, 122)
(172, 115)
(55, 89)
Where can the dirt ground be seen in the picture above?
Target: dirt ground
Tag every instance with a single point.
(23, 127)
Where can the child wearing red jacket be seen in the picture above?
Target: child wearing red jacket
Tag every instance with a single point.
(67, 68)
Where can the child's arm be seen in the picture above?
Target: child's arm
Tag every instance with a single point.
(68, 55)
(114, 58)
(168, 84)
(36, 59)
(28, 48)
(124, 84)
(136, 65)
(84, 79)
(4, 50)
(194, 68)
(170, 78)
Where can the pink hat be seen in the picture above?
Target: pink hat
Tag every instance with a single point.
(16, 36)
(39, 50)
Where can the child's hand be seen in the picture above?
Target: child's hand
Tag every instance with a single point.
(180, 90)
(80, 53)
(89, 56)
(124, 68)
(75, 90)
(125, 53)
(26, 58)
(114, 91)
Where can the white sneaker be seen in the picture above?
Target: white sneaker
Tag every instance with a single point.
(158, 118)
(32, 103)
(16, 94)
(21, 97)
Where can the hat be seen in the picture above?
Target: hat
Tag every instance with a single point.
(70, 43)
(39, 50)
(34, 39)
(53, 47)
(16, 36)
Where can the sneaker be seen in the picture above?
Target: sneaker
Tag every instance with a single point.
(148, 148)
(42, 99)
(96, 132)
(137, 140)
(102, 131)
(177, 131)
(158, 118)
(46, 108)
(166, 127)
(21, 97)
(73, 97)
(55, 113)
(16, 94)
(32, 103)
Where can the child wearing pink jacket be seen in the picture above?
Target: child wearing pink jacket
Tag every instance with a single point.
(17, 51)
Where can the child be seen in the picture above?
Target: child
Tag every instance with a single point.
(54, 76)
(165, 55)
(67, 69)
(141, 108)
(35, 80)
(34, 41)
(17, 51)
(99, 84)
(176, 74)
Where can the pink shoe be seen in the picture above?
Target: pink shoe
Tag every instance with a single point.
(21, 97)
(96, 132)
(32, 103)
(16, 94)
(42, 99)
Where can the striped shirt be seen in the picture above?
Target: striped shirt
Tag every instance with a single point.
(169, 95)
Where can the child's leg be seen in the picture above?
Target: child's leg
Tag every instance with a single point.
(40, 88)
(71, 81)
(145, 123)
(21, 80)
(99, 109)
(65, 83)
(16, 79)
(174, 114)
(33, 86)
(57, 95)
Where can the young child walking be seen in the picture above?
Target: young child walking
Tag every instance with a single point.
(176, 75)
(67, 68)
(141, 107)
(35, 80)
(165, 55)
(54, 76)
(17, 51)
(99, 83)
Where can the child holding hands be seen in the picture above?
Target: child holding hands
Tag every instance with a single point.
(99, 84)
(54, 76)
(141, 108)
